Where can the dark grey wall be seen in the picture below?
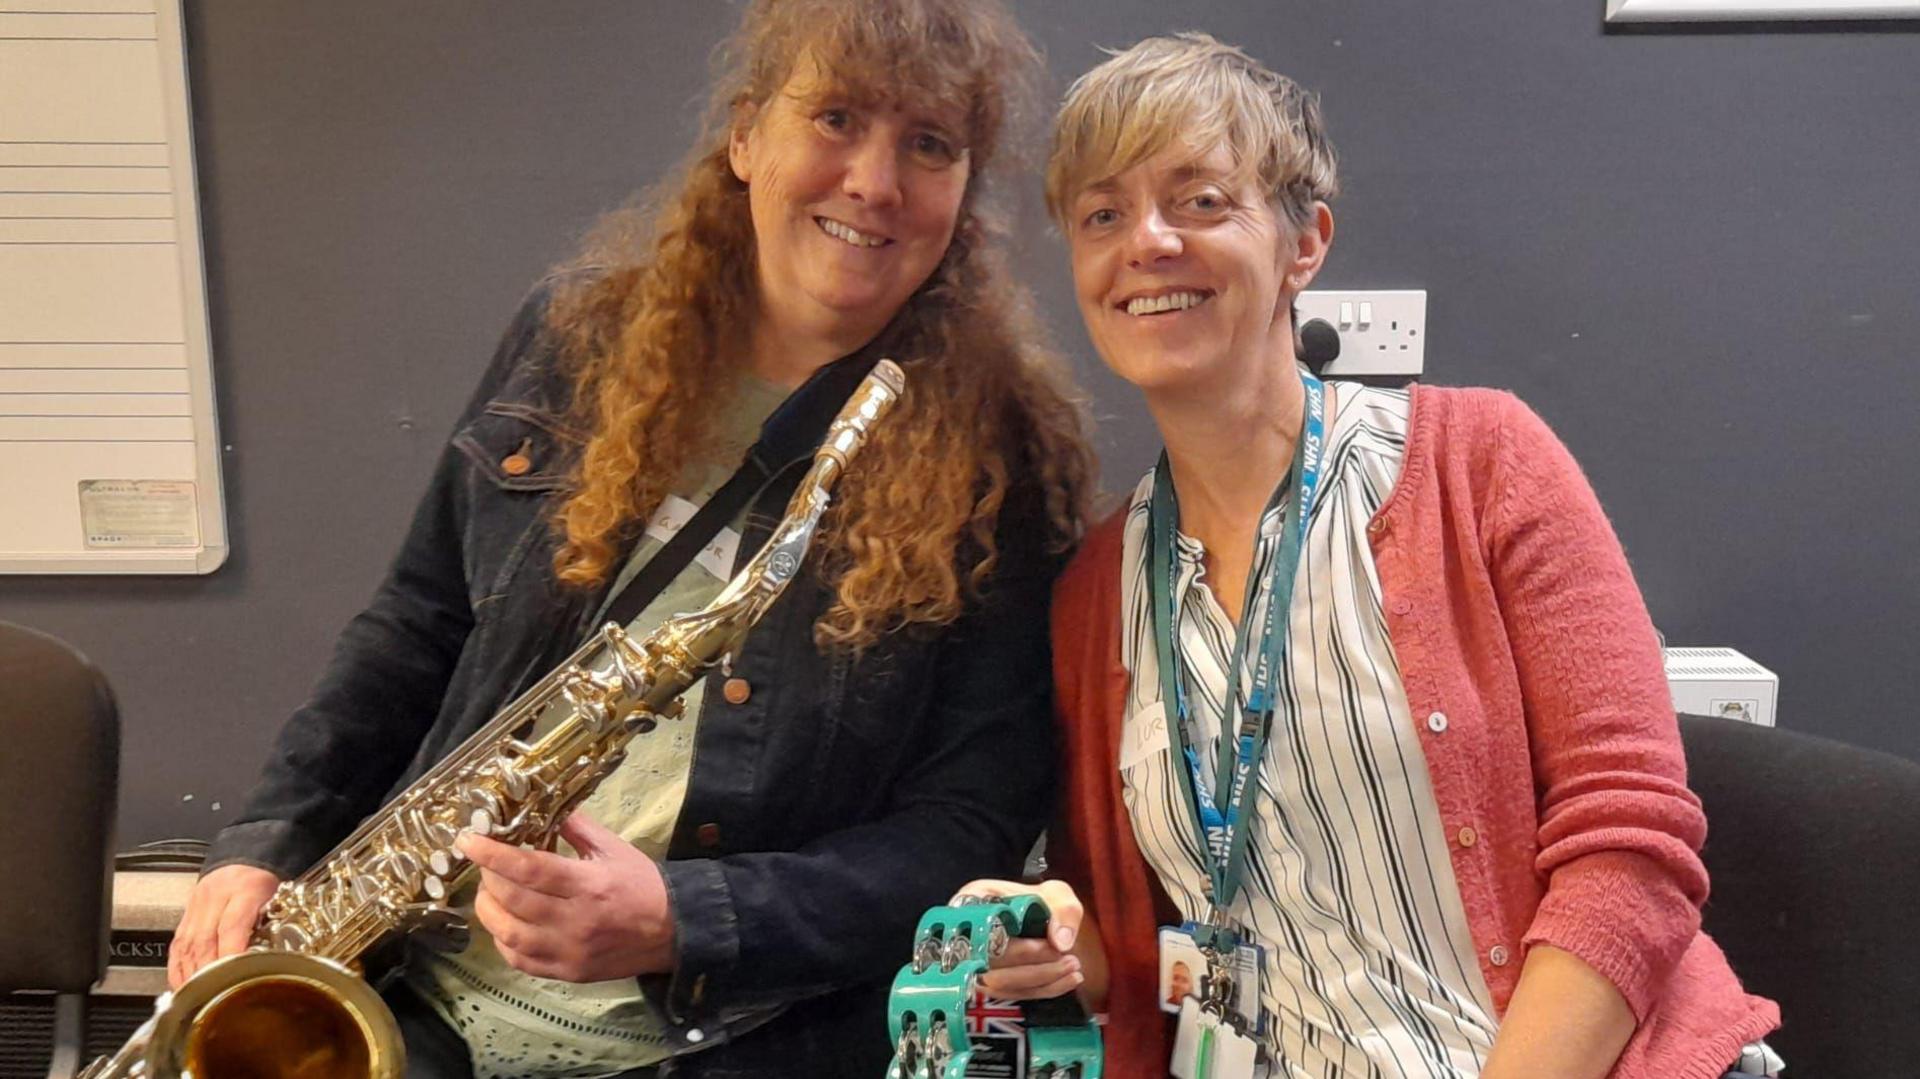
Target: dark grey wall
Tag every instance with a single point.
(1695, 253)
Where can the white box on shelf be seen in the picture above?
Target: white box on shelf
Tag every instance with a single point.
(1721, 682)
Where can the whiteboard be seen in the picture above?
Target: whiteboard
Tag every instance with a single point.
(109, 450)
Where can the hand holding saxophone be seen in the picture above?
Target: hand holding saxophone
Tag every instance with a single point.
(219, 918)
(600, 916)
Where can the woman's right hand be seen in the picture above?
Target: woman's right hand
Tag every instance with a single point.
(221, 911)
(1069, 958)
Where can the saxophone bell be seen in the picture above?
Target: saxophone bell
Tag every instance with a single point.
(265, 1015)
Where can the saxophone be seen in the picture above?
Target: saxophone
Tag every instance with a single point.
(295, 1004)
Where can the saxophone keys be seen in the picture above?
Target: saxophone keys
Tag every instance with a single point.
(435, 887)
(598, 716)
(515, 781)
(441, 863)
(438, 928)
(484, 812)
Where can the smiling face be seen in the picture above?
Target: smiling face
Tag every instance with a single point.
(1185, 271)
(853, 204)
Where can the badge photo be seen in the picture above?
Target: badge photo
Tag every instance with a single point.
(1181, 967)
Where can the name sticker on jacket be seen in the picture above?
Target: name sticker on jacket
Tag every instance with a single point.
(716, 557)
(1145, 735)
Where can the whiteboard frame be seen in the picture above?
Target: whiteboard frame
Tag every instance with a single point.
(213, 550)
(209, 488)
(1629, 11)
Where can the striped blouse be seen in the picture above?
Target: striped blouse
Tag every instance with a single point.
(1369, 966)
(1368, 958)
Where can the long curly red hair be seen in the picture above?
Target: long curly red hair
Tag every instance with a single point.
(654, 331)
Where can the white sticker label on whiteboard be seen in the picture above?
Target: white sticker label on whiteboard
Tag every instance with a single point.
(139, 513)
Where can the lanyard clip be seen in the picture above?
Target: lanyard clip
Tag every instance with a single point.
(1218, 993)
(1217, 936)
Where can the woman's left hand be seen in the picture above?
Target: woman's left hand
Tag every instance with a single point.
(600, 916)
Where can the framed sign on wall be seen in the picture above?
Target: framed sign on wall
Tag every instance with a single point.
(1746, 10)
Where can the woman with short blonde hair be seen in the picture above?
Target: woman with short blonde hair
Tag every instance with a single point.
(1359, 699)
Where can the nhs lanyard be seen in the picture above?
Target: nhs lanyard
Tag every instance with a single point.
(1219, 826)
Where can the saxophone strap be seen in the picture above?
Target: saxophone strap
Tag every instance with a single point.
(794, 429)
(674, 555)
(927, 1010)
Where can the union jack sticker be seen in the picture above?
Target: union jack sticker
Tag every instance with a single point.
(998, 1030)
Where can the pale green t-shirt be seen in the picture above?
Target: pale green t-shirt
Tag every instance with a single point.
(518, 1026)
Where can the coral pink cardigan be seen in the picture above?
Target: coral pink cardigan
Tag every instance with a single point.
(1514, 616)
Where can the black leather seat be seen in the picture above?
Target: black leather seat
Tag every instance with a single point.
(59, 774)
(1814, 851)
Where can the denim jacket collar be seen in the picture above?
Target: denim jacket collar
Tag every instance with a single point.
(795, 429)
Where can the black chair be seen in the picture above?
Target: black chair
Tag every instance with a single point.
(1814, 850)
(59, 774)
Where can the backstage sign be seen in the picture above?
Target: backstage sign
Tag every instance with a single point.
(138, 947)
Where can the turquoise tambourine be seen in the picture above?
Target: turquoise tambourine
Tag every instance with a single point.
(927, 1011)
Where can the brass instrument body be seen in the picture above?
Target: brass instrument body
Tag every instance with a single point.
(395, 873)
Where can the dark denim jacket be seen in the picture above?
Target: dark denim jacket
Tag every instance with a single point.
(824, 812)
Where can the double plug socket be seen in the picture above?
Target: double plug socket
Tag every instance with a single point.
(1383, 333)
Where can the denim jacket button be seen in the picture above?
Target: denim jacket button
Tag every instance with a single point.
(707, 835)
(736, 690)
(516, 464)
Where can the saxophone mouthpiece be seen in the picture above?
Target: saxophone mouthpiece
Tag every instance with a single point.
(871, 400)
(888, 373)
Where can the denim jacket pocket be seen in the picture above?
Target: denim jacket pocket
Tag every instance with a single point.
(874, 700)
(520, 459)
(518, 447)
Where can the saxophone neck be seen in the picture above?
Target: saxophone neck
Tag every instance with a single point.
(716, 630)
(705, 636)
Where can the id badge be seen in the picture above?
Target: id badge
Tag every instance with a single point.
(1183, 967)
(1206, 1048)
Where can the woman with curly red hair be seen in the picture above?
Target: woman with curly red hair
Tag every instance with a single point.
(742, 883)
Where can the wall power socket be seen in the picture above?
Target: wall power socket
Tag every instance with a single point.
(1382, 332)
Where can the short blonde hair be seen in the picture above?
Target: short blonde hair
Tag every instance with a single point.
(1193, 91)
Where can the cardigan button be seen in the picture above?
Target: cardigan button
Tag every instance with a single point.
(1376, 526)
(1402, 606)
(1437, 722)
(736, 690)
(1498, 955)
(1468, 837)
